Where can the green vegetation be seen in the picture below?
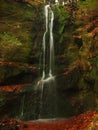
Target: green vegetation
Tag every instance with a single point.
(11, 49)
(20, 11)
(18, 40)
(62, 16)
(87, 5)
(16, 21)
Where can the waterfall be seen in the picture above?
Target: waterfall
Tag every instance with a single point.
(49, 27)
(47, 82)
(44, 40)
(43, 103)
(51, 44)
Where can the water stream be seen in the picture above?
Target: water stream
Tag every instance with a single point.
(22, 106)
(47, 82)
(49, 29)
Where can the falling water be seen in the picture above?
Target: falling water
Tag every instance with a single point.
(22, 107)
(49, 27)
(51, 44)
(44, 40)
(47, 82)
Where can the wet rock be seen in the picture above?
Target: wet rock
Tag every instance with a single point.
(69, 79)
